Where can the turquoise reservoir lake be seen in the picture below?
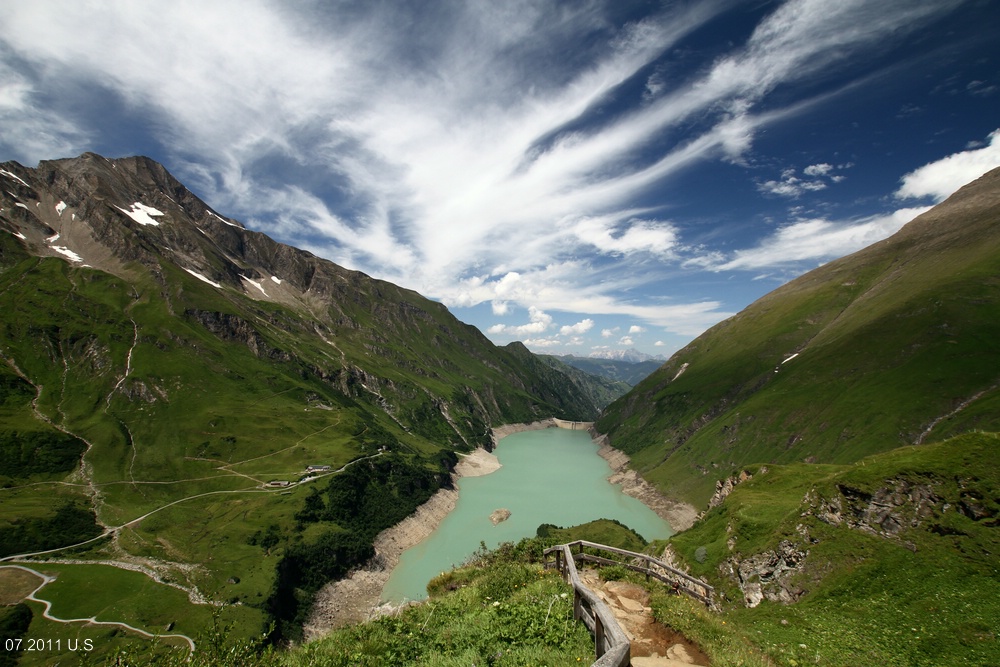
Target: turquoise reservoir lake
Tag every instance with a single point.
(550, 476)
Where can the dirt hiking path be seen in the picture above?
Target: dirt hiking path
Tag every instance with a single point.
(653, 644)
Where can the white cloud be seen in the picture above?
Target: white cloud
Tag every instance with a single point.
(500, 307)
(538, 322)
(30, 131)
(635, 328)
(608, 333)
(942, 178)
(580, 327)
(820, 176)
(637, 236)
(543, 343)
(818, 239)
(659, 343)
(821, 169)
(626, 340)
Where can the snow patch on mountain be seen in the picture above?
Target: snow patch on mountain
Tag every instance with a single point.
(14, 176)
(60, 207)
(631, 355)
(255, 284)
(225, 221)
(142, 214)
(69, 253)
(203, 278)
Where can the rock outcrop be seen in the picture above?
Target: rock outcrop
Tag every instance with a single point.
(768, 575)
(725, 486)
(897, 505)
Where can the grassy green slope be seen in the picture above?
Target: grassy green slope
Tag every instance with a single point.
(187, 398)
(896, 343)
(895, 565)
(871, 592)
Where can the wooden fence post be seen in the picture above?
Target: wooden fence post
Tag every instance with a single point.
(599, 648)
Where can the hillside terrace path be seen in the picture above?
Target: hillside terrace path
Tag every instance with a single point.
(653, 644)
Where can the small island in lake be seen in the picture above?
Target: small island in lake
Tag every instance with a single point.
(499, 515)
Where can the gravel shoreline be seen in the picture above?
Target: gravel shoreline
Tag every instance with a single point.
(680, 516)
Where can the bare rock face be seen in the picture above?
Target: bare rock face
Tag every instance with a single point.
(725, 486)
(767, 575)
(886, 512)
(499, 515)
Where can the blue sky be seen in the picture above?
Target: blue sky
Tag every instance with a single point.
(576, 175)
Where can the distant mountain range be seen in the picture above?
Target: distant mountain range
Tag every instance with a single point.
(628, 371)
(630, 355)
(897, 344)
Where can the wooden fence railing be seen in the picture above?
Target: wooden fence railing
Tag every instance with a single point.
(611, 646)
(682, 582)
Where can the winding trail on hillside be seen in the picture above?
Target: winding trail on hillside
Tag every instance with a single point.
(961, 406)
(194, 595)
(112, 531)
(47, 612)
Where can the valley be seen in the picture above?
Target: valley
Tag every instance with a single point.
(201, 429)
(175, 419)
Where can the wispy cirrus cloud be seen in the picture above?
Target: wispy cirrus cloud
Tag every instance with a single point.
(478, 152)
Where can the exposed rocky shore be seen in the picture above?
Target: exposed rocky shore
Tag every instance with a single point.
(501, 432)
(357, 597)
(680, 516)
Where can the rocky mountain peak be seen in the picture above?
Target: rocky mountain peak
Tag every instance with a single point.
(129, 217)
(121, 214)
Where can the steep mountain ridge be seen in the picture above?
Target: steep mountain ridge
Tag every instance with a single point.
(890, 346)
(130, 217)
(595, 383)
(179, 373)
